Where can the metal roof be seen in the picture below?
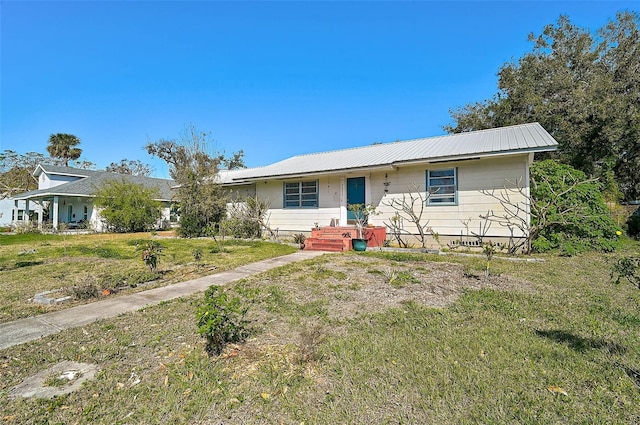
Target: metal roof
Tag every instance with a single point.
(511, 140)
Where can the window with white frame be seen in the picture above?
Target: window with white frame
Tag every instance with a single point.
(301, 194)
(442, 186)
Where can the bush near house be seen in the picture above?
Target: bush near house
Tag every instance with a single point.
(579, 219)
(128, 207)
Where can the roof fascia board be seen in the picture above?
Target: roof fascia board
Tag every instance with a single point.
(314, 174)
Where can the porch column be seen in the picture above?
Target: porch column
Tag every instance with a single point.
(41, 213)
(54, 221)
(26, 211)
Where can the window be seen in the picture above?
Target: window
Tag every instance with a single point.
(85, 215)
(301, 194)
(441, 186)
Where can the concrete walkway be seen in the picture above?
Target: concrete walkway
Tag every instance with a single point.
(32, 328)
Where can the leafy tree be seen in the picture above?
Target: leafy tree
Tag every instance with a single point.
(131, 167)
(584, 88)
(63, 146)
(83, 164)
(236, 161)
(567, 211)
(16, 172)
(128, 207)
(202, 201)
(578, 218)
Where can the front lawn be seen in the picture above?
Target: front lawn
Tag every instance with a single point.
(85, 265)
(361, 339)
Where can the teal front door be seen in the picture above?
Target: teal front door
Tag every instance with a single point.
(355, 194)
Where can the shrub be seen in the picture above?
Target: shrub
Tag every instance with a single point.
(240, 228)
(220, 320)
(577, 219)
(627, 268)
(151, 255)
(299, 238)
(27, 228)
(128, 207)
(633, 224)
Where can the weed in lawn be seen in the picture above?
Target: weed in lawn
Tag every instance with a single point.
(311, 337)
(627, 268)
(151, 254)
(323, 273)
(394, 256)
(84, 292)
(399, 278)
(197, 255)
(277, 300)
(248, 292)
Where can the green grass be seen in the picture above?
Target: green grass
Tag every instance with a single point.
(325, 348)
(36, 263)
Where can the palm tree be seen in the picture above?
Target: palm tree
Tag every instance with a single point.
(62, 146)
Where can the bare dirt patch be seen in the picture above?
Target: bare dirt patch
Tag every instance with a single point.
(348, 285)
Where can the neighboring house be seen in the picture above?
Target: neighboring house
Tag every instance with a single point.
(12, 211)
(66, 196)
(449, 172)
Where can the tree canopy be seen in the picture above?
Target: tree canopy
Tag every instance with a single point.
(63, 146)
(131, 167)
(202, 201)
(584, 88)
(16, 172)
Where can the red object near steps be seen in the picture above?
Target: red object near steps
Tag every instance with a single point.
(337, 239)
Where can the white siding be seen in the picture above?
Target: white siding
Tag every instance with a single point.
(446, 220)
(472, 177)
(301, 219)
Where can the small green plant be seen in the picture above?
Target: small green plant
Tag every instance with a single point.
(489, 249)
(299, 238)
(399, 278)
(151, 255)
(221, 320)
(197, 255)
(627, 268)
(361, 213)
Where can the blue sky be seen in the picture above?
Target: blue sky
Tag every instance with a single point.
(275, 79)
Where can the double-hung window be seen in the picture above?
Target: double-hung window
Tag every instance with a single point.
(301, 194)
(442, 186)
